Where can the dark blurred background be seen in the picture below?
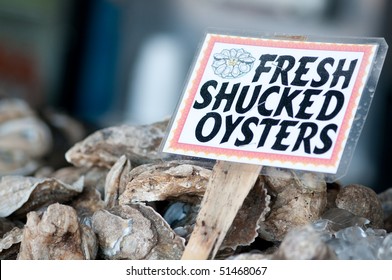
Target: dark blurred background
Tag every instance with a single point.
(107, 62)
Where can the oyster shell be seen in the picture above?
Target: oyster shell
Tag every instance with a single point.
(14, 108)
(90, 199)
(116, 181)
(363, 202)
(135, 232)
(6, 225)
(303, 243)
(298, 199)
(10, 244)
(70, 128)
(96, 177)
(104, 147)
(243, 230)
(14, 162)
(92, 177)
(24, 138)
(87, 203)
(56, 236)
(29, 135)
(386, 202)
(179, 180)
(20, 195)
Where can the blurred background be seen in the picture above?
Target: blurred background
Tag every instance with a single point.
(107, 62)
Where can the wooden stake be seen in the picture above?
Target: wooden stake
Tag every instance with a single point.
(229, 185)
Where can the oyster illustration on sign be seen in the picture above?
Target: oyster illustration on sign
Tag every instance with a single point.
(232, 63)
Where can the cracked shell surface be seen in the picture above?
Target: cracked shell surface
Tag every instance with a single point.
(179, 180)
(363, 202)
(104, 147)
(135, 232)
(298, 199)
(56, 236)
(20, 195)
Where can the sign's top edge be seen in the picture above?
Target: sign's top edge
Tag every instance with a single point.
(300, 37)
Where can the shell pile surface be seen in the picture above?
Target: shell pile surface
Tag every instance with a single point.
(121, 199)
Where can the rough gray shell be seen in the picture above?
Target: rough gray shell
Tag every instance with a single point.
(172, 180)
(20, 195)
(135, 232)
(57, 236)
(104, 147)
(298, 199)
(363, 202)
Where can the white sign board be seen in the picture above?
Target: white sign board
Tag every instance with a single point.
(285, 103)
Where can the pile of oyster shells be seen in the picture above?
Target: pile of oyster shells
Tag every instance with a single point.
(119, 198)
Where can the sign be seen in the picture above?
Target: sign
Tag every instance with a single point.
(276, 102)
